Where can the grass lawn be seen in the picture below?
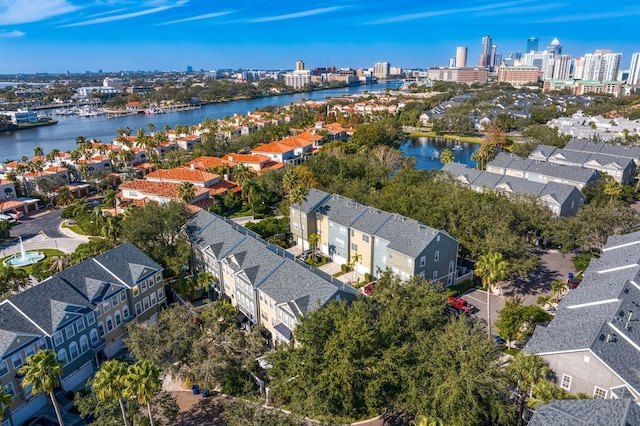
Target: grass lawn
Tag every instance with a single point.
(74, 228)
(470, 139)
(49, 253)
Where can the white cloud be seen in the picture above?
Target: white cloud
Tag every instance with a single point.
(197, 18)
(22, 11)
(127, 15)
(12, 34)
(443, 12)
(298, 14)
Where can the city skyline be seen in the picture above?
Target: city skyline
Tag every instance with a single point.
(56, 36)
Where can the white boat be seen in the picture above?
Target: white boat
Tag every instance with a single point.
(457, 147)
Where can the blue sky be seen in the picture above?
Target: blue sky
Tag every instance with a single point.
(112, 35)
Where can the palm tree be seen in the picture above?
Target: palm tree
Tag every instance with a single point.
(250, 190)
(111, 229)
(493, 269)
(447, 156)
(5, 401)
(314, 239)
(558, 287)
(527, 370)
(58, 263)
(142, 381)
(65, 197)
(299, 196)
(42, 371)
(187, 192)
(109, 383)
(356, 258)
(38, 152)
(612, 188)
(289, 181)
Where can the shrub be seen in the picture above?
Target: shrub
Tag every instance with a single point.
(345, 268)
(367, 277)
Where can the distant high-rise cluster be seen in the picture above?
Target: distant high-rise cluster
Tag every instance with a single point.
(532, 45)
(634, 70)
(382, 70)
(485, 52)
(461, 57)
(602, 65)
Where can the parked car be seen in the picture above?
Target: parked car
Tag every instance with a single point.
(573, 283)
(7, 218)
(368, 288)
(305, 254)
(461, 305)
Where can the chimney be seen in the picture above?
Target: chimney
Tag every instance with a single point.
(193, 166)
(226, 176)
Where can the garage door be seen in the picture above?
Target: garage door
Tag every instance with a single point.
(339, 259)
(361, 269)
(114, 347)
(78, 377)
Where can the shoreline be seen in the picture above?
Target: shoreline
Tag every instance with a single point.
(469, 139)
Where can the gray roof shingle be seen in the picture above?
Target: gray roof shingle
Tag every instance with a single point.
(594, 412)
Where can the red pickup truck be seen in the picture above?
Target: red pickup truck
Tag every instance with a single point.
(461, 305)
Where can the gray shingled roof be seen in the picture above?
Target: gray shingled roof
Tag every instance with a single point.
(370, 221)
(255, 260)
(597, 316)
(128, 263)
(407, 236)
(632, 152)
(571, 173)
(595, 412)
(341, 210)
(13, 325)
(313, 199)
(219, 236)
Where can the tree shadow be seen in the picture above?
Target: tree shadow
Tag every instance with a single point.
(537, 282)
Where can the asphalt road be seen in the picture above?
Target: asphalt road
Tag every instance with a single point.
(47, 222)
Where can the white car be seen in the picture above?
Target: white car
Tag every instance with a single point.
(7, 218)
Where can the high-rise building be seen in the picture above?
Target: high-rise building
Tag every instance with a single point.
(602, 65)
(381, 70)
(634, 70)
(554, 47)
(485, 52)
(461, 57)
(578, 68)
(299, 65)
(562, 67)
(532, 45)
(452, 62)
(492, 58)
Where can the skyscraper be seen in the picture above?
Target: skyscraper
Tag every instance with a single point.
(299, 65)
(532, 45)
(492, 58)
(381, 70)
(485, 52)
(602, 65)
(461, 57)
(562, 67)
(634, 70)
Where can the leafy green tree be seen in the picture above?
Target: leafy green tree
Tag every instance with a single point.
(5, 401)
(493, 269)
(613, 189)
(42, 372)
(515, 320)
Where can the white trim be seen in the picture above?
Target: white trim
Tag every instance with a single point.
(631, 342)
(618, 268)
(635, 284)
(599, 302)
(621, 245)
(27, 317)
(112, 274)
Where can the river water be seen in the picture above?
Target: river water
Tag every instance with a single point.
(62, 136)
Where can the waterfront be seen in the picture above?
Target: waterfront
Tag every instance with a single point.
(62, 136)
(426, 151)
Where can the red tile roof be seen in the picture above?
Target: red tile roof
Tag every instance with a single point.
(205, 162)
(247, 158)
(184, 174)
(223, 186)
(159, 189)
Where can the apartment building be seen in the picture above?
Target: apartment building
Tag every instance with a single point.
(80, 314)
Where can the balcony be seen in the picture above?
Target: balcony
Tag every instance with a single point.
(98, 345)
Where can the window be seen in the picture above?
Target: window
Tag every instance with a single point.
(80, 325)
(123, 296)
(106, 307)
(73, 350)
(151, 282)
(10, 390)
(452, 266)
(62, 356)
(143, 286)
(27, 390)
(438, 237)
(152, 298)
(435, 275)
(4, 368)
(91, 319)
(16, 360)
(42, 345)
(114, 301)
(353, 233)
(118, 318)
(145, 303)
(28, 351)
(365, 238)
(109, 323)
(354, 247)
(423, 261)
(566, 382)
(422, 274)
(84, 344)
(125, 312)
(138, 308)
(436, 256)
(57, 338)
(136, 291)
(69, 331)
(101, 328)
(160, 293)
(600, 393)
(93, 335)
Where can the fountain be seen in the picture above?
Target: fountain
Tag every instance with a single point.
(25, 258)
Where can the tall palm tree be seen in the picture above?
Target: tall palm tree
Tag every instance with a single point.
(447, 156)
(58, 263)
(356, 258)
(314, 239)
(38, 152)
(289, 181)
(5, 401)
(612, 188)
(187, 192)
(142, 381)
(65, 197)
(250, 190)
(558, 287)
(42, 371)
(109, 383)
(527, 370)
(493, 269)
(111, 229)
(299, 196)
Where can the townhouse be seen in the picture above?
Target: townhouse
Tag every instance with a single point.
(561, 199)
(592, 344)
(543, 172)
(373, 240)
(617, 150)
(80, 314)
(621, 169)
(266, 284)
